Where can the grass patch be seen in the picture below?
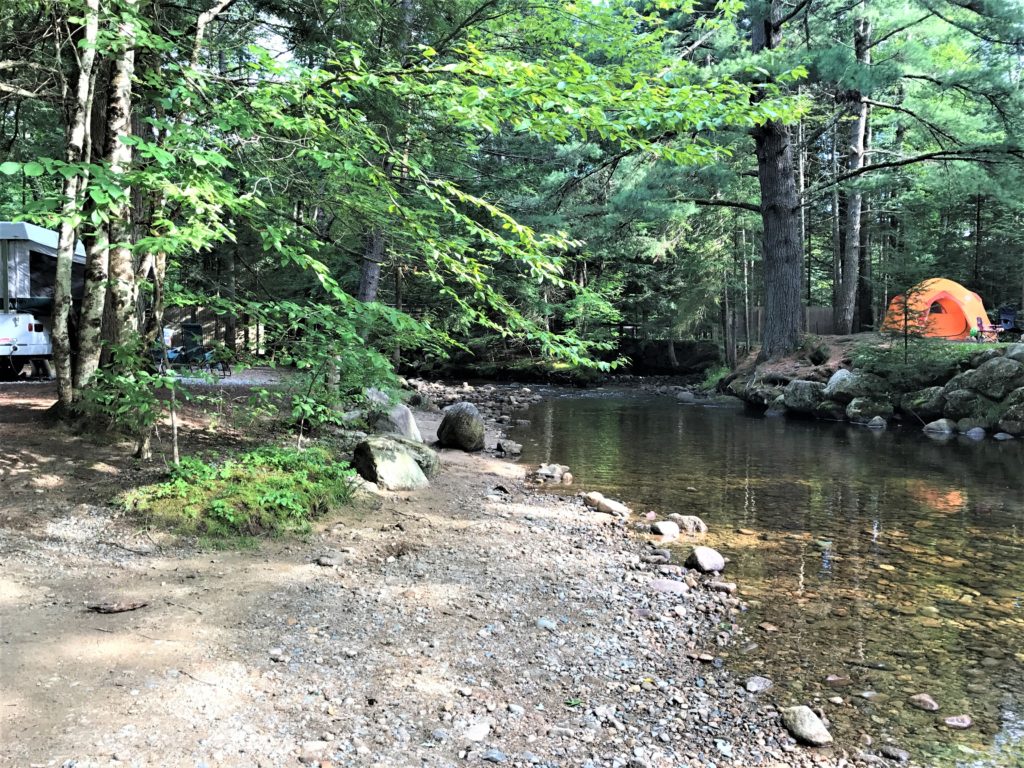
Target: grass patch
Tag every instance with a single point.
(266, 492)
(916, 362)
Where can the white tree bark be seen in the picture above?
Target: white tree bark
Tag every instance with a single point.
(73, 187)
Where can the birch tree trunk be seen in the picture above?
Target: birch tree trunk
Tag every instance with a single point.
(123, 286)
(780, 214)
(73, 186)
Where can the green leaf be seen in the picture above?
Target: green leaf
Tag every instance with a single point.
(9, 168)
(33, 169)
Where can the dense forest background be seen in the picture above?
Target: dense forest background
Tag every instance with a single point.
(349, 184)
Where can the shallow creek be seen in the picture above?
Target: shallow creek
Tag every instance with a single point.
(884, 559)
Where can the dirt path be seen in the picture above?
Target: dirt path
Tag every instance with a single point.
(465, 624)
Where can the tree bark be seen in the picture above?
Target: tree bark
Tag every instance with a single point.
(373, 255)
(856, 153)
(123, 286)
(780, 214)
(76, 143)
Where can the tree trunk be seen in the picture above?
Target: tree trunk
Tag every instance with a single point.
(76, 143)
(229, 292)
(123, 287)
(780, 214)
(856, 152)
(865, 287)
(373, 255)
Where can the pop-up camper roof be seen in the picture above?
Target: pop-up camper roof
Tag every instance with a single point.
(28, 263)
(37, 238)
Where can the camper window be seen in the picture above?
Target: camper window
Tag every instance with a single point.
(936, 309)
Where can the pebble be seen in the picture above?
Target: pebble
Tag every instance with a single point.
(666, 529)
(546, 623)
(758, 684)
(894, 753)
(494, 756)
(805, 725)
(705, 559)
(478, 731)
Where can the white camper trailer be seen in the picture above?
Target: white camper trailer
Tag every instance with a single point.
(28, 268)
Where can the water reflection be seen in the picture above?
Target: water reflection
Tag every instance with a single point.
(885, 559)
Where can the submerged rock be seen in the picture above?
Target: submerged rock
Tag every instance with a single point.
(510, 447)
(803, 396)
(689, 523)
(462, 427)
(941, 427)
(959, 722)
(705, 559)
(805, 725)
(923, 701)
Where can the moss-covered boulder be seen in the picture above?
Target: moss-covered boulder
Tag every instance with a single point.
(846, 385)
(863, 409)
(462, 427)
(926, 404)
(830, 410)
(394, 463)
(803, 396)
(1015, 352)
(968, 404)
(1012, 418)
(998, 377)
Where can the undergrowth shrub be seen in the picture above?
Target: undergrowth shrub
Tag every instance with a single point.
(915, 362)
(269, 491)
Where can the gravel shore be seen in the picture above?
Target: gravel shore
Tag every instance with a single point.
(478, 622)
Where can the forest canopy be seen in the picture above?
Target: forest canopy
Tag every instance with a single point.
(372, 182)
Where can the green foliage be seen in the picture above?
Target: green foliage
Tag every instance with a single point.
(268, 491)
(128, 395)
(712, 376)
(921, 362)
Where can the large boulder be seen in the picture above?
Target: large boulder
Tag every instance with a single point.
(926, 404)
(395, 464)
(397, 420)
(803, 396)
(1015, 352)
(1012, 419)
(968, 404)
(998, 377)
(846, 385)
(863, 409)
(829, 410)
(462, 427)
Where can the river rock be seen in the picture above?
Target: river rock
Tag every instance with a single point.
(925, 404)
(941, 427)
(478, 731)
(877, 422)
(689, 523)
(968, 404)
(1015, 352)
(398, 420)
(669, 586)
(685, 396)
(829, 410)
(805, 725)
(998, 377)
(510, 447)
(705, 559)
(666, 528)
(863, 409)
(894, 753)
(959, 722)
(975, 433)
(1012, 419)
(803, 396)
(758, 684)
(462, 427)
(923, 701)
(395, 464)
(613, 507)
(845, 386)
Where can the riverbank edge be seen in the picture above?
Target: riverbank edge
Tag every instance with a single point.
(642, 540)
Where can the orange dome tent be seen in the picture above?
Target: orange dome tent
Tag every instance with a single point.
(938, 308)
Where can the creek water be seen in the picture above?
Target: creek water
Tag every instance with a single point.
(887, 560)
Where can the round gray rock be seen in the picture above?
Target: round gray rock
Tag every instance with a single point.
(805, 725)
(705, 559)
(462, 427)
